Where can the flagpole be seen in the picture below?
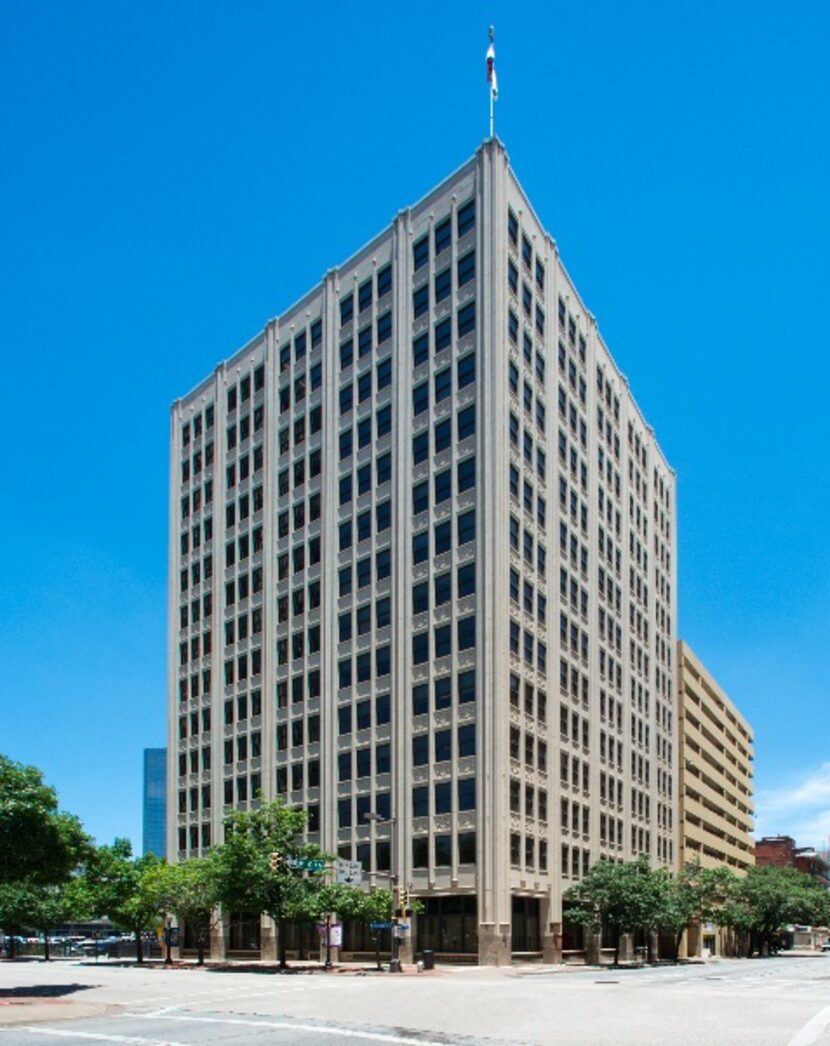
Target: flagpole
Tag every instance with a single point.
(491, 114)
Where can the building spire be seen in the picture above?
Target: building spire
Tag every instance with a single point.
(491, 77)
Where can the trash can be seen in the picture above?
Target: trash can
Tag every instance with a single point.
(428, 958)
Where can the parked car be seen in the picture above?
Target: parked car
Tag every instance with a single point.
(97, 945)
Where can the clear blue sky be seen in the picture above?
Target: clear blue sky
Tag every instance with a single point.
(175, 174)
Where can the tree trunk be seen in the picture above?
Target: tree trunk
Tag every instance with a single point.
(678, 937)
(649, 948)
(139, 947)
(616, 948)
(200, 951)
(46, 946)
(281, 928)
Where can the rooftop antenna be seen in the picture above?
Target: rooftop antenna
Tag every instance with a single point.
(491, 77)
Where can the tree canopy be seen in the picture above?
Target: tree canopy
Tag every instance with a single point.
(112, 883)
(38, 842)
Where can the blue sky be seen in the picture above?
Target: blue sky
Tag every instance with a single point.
(174, 175)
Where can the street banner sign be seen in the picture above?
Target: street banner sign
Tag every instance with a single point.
(349, 872)
(380, 926)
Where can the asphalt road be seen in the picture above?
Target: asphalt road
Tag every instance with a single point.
(783, 1001)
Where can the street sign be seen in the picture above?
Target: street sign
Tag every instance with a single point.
(349, 872)
(306, 864)
(380, 926)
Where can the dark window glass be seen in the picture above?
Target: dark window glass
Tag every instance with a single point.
(443, 235)
(384, 280)
(466, 268)
(420, 350)
(420, 253)
(466, 218)
(467, 319)
(466, 368)
(347, 309)
(420, 301)
(420, 447)
(443, 335)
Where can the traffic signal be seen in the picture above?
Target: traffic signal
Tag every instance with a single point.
(397, 903)
(275, 861)
(406, 903)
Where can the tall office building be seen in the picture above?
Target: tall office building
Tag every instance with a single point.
(422, 564)
(155, 802)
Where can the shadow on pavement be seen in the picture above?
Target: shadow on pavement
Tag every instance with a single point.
(43, 991)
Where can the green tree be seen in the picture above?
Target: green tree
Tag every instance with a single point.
(38, 842)
(694, 893)
(768, 898)
(189, 890)
(622, 897)
(243, 862)
(112, 887)
(40, 907)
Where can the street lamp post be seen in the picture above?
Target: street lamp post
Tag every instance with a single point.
(394, 961)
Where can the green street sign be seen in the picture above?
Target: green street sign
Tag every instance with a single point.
(307, 864)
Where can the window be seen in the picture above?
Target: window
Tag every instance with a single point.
(466, 268)
(346, 309)
(443, 797)
(420, 447)
(512, 228)
(420, 750)
(466, 319)
(420, 398)
(467, 632)
(466, 740)
(420, 301)
(466, 422)
(420, 546)
(443, 335)
(385, 374)
(443, 285)
(466, 474)
(466, 218)
(347, 354)
(443, 641)
(420, 648)
(364, 387)
(364, 295)
(420, 497)
(467, 527)
(443, 384)
(420, 598)
(443, 235)
(466, 687)
(384, 422)
(443, 435)
(443, 537)
(420, 253)
(420, 350)
(420, 802)
(466, 368)
(384, 327)
(420, 699)
(443, 589)
(443, 486)
(443, 746)
(384, 281)
(466, 580)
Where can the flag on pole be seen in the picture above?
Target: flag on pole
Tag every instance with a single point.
(491, 67)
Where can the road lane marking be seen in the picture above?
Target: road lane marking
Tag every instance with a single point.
(95, 1036)
(318, 1029)
(812, 1030)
